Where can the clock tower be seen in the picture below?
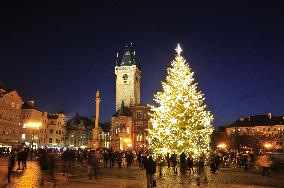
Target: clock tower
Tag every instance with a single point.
(128, 77)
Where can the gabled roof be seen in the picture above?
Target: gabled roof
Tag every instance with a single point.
(258, 120)
(52, 116)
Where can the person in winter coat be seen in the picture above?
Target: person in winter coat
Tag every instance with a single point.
(150, 167)
(11, 164)
(183, 164)
(44, 166)
(174, 161)
(190, 164)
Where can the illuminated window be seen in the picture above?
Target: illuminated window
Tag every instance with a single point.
(139, 115)
(23, 136)
(127, 129)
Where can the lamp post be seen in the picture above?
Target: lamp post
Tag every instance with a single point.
(34, 126)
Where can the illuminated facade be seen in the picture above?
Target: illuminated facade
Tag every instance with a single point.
(10, 112)
(259, 125)
(129, 123)
(41, 128)
(54, 132)
(32, 120)
(78, 131)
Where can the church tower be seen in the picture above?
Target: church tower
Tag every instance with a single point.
(128, 77)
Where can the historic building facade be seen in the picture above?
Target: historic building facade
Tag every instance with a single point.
(32, 121)
(10, 113)
(258, 125)
(55, 130)
(130, 122)
(78, 131)
(41, 129)
(262, 129)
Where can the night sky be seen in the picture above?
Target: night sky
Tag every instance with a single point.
(60, 52)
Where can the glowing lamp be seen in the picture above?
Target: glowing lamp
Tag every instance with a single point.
(222, 145)
(268, 145)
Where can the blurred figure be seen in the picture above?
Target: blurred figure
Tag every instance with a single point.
(160, 165)
(190, 164)
(119, 159)
(150, 167)
(139, 159)
(24, 158)
(265, 163)
(43, 162)
(11, 164)
(51, 161)
(183, 163)
(168, 160)
(174, 161)
(19, 158)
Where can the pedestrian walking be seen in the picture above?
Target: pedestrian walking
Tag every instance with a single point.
(174, 161)
(168, 160)
(51, 170)
(265, 163)
(190, 164)
(150, 167)
(11, 164)
(160, 165)
(24, 158)
(183, 163)
(43, 162)
(19, 158)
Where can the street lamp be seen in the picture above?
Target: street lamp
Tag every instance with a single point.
(34, 126)
(222, 145)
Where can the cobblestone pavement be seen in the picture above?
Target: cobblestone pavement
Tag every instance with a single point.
(133, 177)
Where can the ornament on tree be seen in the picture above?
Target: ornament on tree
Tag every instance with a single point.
(180, 122)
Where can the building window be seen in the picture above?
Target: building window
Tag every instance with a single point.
(268, 129)
(127, 129)
(50, 131)
(23, 136)
(263, 129)
(50, 140)
(139, 115)
(59, 132)
(56, 132)
(274, 129)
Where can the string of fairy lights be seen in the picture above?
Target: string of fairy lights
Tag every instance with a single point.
(180, 122)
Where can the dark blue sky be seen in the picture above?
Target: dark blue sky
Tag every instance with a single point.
(60, 52)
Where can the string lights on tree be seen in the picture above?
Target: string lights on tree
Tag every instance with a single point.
(180, 121)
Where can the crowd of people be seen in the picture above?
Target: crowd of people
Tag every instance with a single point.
(65, 160)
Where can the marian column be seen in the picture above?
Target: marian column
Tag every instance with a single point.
(96, 128)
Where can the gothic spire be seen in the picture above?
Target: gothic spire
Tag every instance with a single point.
(129, 58)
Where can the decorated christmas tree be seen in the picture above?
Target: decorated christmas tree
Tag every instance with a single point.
(180, 121)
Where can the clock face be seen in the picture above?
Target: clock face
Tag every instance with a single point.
(125, 78)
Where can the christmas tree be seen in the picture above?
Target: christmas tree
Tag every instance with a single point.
(180, 122)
